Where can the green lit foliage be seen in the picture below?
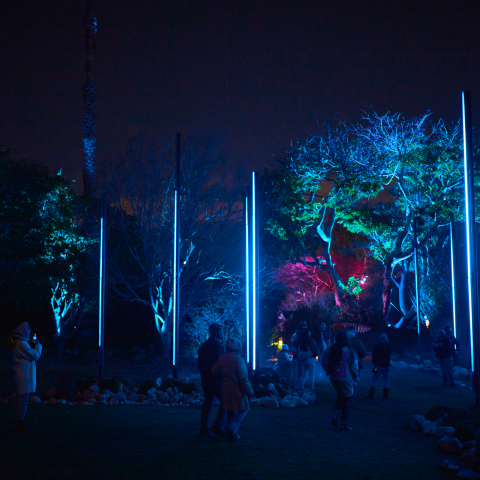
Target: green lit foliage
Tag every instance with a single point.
(41, 244)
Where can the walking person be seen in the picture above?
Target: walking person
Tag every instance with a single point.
(443, 351)
(306, 350)
(25, 371)
(341, 365)
(381, 360)
(454, 343)
(296, 366)
(208, 354)
(235, 386)
(321, 335)
(361, 353)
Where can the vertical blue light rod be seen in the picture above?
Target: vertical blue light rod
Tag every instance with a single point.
(176, 268)
(101, 293)
(247, 280)
(470, 223)
(254, 274)
(452, 262)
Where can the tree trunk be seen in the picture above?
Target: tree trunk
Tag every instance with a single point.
(167, 345)
(387, 285)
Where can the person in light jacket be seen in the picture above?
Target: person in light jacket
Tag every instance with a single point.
(235, 386)
(25, 371)
(306, 350)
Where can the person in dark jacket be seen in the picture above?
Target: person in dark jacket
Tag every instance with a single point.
(443, 351)
(341, 365)
(296, 367)
(306, 350)
(284, 363)
(381, 360)
(455, 344)
(361, 353)
(208, 354)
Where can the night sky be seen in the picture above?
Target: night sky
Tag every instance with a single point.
(260, 72)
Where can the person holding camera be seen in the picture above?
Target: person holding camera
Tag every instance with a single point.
(381, 360)
(25, 371)
(443, 351)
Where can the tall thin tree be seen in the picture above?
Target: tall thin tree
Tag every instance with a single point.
(89, 103)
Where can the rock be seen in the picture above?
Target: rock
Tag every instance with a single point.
(268, 402)
(470, 445)
(427, 363)
(444, 432)
(438, 422)
(468, 474)
(52, 401)
(175, 390)
(94, 388)
(255, 403)
(400, 365)
(151, 391)
(158, 382)
(450, 445)
(145, 403)
(132, 397)
(450, 467)
(438, 411)
(416, 367)
(428, 428)
(185, 380)
(61, 402)
(170, 391)
(468, 456)
(86, 394)
(288, 403)
(467, 431)
(163, 397)
(35, 399)
(140, 397)
(270, 386)
(415, 422)
(274, 392)
(176, 398)
(301, 402)
(460, 372)
(457, 416)
(145, 386)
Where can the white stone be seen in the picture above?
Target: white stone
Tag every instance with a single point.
(429, 428)
(52, 401)
(415, 422)
(444, 432)
(271, 386)
(94, 388)
(400, 365)
(35, 399)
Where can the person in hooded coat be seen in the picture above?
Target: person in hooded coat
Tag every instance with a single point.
(381, 360)
(25, 372)
(235, 386)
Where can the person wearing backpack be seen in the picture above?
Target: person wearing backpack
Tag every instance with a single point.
(443, 351)
(381, 360)
(306, 350)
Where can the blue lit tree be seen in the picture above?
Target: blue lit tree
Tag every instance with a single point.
(140, 189)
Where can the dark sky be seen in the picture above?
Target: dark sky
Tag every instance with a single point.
(262, 72)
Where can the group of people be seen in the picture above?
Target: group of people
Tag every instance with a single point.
(224, 375)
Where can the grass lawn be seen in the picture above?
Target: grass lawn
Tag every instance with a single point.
(134, 442)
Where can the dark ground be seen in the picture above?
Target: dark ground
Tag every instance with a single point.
(133, 442)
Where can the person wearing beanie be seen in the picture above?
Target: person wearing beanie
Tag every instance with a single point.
(381, 360)
(361, 353)
(209, 353)
(25, 371)
(341, 365)
(235, 386)
(283, 366)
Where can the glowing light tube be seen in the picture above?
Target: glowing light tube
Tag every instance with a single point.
(247, 280)
(175, 273)
(467, 215)
(453, 281)
(100, 296)
(254, 273)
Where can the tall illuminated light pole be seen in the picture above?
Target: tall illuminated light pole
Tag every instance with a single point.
(247, 284)
(101, 293)
(452, 262)
(254, 274)
(176, 267)
(417, 283)
(471, 239)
